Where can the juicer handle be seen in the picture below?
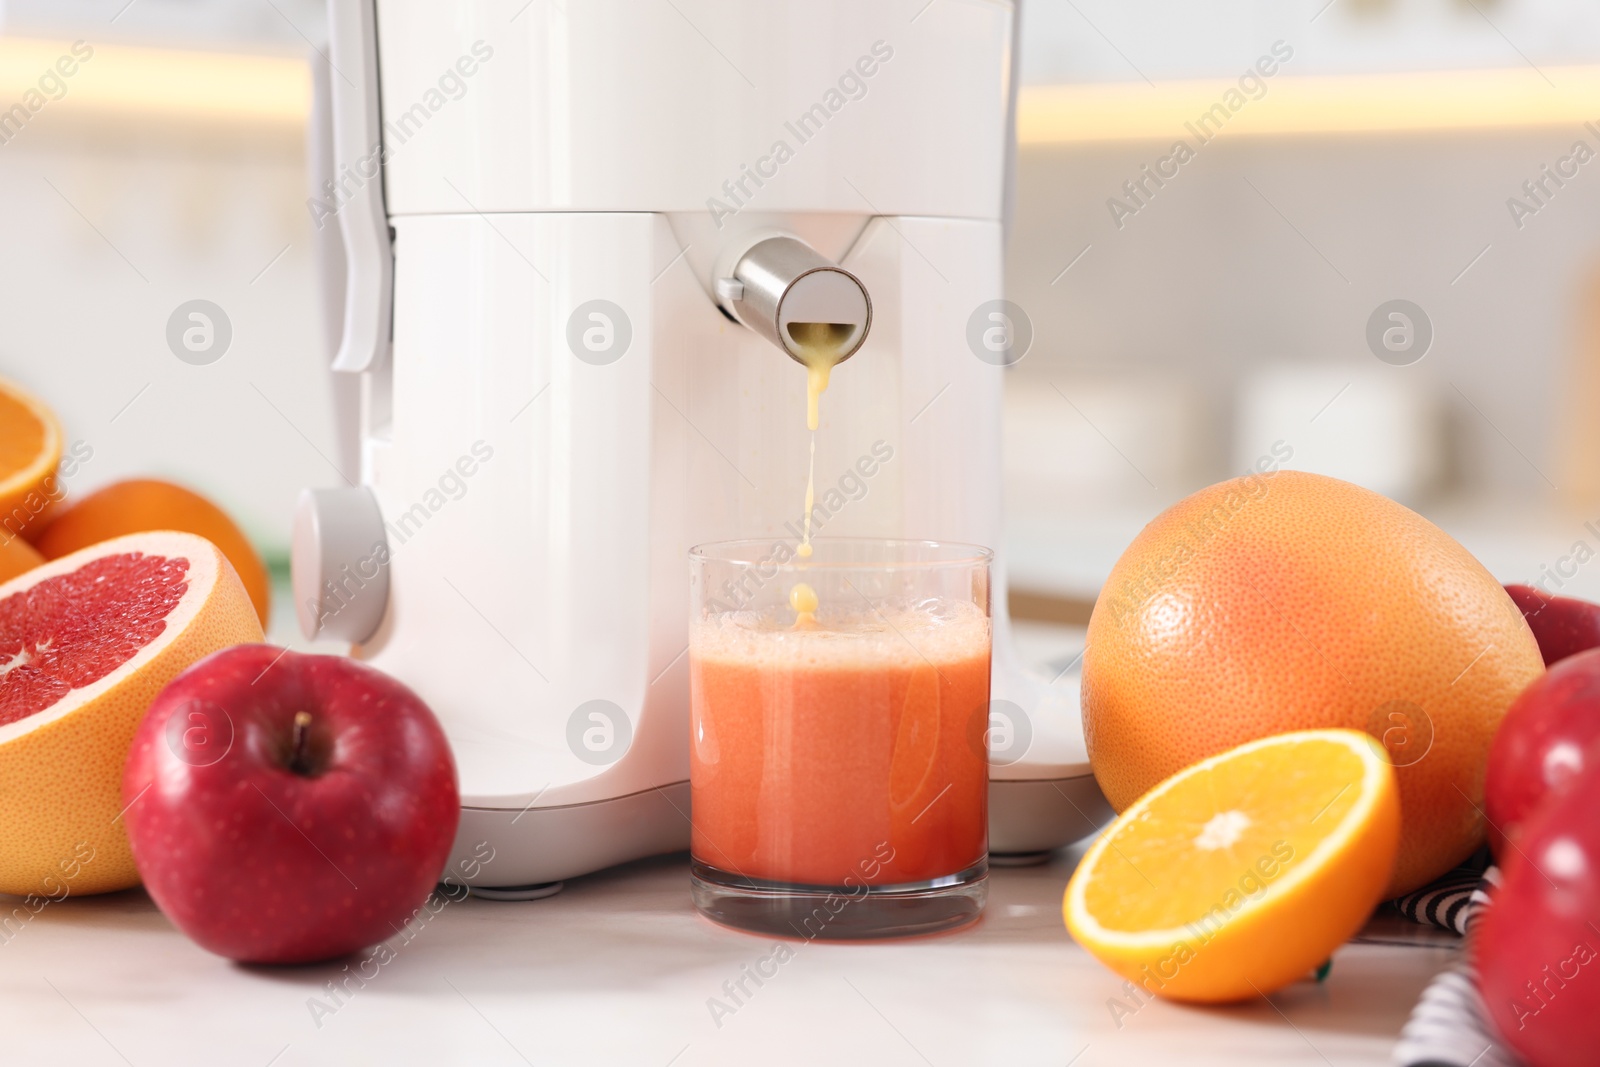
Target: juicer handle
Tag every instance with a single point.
(357, 180)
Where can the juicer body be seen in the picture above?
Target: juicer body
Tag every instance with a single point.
(555, 407)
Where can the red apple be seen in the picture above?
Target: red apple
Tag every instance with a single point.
(1538, 947)
(285, 808)
(1549, 738)
(1562, 625)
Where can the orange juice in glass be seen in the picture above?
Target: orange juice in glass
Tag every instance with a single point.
(838, 708)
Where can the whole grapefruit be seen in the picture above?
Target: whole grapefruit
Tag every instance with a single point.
(1292, 601)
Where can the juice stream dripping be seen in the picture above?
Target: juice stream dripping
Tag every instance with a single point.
(819, 364)
(820, 354)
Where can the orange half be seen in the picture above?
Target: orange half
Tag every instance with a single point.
(1243, 873)
(30, 451)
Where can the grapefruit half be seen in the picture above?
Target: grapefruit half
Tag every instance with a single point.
(86, 643)
(140, 504)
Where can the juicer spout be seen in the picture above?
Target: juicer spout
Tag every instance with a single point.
(804, 303)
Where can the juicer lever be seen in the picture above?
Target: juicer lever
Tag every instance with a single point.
(358, 186)
(798, 299)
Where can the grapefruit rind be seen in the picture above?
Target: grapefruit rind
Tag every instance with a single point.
(1280, 935)
(61, 768)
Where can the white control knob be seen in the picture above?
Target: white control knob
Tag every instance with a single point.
(339, 563)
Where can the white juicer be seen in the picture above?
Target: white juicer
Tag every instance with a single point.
(578, 240)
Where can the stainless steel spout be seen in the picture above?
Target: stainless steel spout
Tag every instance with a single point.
(800, 301)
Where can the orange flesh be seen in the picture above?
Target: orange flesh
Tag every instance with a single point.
(1271, 803)
(22, 435)
(817, 752)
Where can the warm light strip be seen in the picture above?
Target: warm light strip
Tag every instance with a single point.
(1367, 103)
(152, 83)
(130, 80)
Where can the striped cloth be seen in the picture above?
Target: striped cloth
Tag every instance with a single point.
(1445, 903)
(1449, 1026)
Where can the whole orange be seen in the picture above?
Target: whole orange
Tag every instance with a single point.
(139, 505)
(16, 556)
(1293, 601)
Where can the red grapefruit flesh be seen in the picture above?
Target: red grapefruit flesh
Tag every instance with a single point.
(54, 638)
(86, 643)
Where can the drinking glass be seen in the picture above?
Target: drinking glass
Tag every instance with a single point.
(838, 718)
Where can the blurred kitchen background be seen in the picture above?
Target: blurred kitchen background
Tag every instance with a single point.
(1183, 328)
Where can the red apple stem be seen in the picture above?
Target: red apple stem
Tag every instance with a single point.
(299, 757)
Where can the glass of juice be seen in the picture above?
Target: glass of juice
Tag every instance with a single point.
(838, 733)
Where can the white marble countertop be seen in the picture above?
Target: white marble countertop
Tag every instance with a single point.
(618, 969)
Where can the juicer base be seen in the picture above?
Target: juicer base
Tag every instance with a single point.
(516, 892)
(1020, 859)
